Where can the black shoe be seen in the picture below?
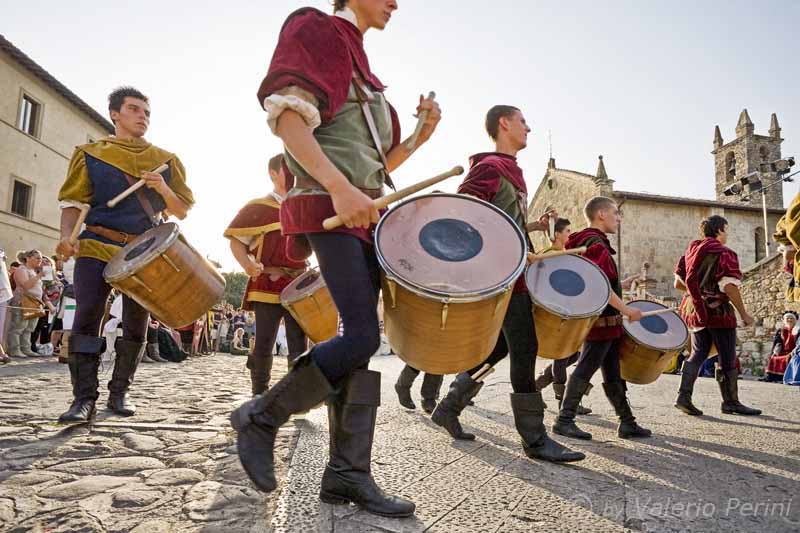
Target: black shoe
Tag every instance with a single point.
(684, 403)
(84, 360)
(528, 412)
(403, 387)
(129, 355)
(689, 375)
(462, 390)
(257, 421)
(347, 477)
(628, 428)
(430, 389)
(545, 378)
(729, 387)
(428, 405)
(260, 373)
(565, 423)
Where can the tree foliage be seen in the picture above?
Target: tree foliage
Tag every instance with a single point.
(235, 285)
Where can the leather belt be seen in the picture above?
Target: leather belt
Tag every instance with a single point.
(608, 321)
(301, 182)
(119, 237)
(283, 271)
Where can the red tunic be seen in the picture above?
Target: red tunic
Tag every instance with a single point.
(258, 222)
(601, 254)
(786, 340)
(707, 306)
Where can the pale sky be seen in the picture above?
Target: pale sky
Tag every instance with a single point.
(641, 82)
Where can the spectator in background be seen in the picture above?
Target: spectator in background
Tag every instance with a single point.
(783, 346)
(28, 290)
(6, 294)
(237, 344)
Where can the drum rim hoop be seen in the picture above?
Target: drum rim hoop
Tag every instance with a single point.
(289, 301)
(656, 348)
(581, 316)
(173, 234)
(465, 297)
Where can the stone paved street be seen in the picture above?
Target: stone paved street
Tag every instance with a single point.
(173, 466)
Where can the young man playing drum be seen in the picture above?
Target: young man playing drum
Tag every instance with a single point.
(328, 108)
(556, 373)
(98, 172)
(601, 349)
(709, 273)
(258, 246)
(496, 178)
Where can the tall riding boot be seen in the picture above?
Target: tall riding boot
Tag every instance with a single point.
(545, 378)
(260, 372)
(565, 423)
(257, 421)
(529, 418)
(729, 387)
(559, 388)
(403, 386)
(462, 390)
(628, 428)
(347, 477)
(431, 386)
(84, 360)
(129, 354)
(688, 377)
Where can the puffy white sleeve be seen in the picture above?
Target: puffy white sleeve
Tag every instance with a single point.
(727, 280)
(298, 100)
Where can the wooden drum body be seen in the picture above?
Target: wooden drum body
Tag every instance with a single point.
(164, 274)
(450, 261)
(650, 344)
(309, 302)
(568, 292)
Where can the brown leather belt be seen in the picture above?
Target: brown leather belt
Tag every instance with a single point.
(119, 237)
(304, 183)
(283, 271)
(608, 321)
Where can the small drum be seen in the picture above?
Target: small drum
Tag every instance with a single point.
(568, 292)
(308, 300)
(164, 274)
(450, 261)
(650, 344)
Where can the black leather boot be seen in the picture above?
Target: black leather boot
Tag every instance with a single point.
(565, 423)
(260, 373)
(628, 428)
(431, 386)
(84, 360)
(129, 355)
(559, 388)
(545, 378)
(257, 421)
(528, 412)
(688, 377)
(403, 387)
(729, 387)
(462, 390)
(347, 477)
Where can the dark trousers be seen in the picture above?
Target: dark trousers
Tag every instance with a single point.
(268, 320)
(599, 354)
(725, 341)
(91, 293)
(352, 274)
(560, 368)
(518, 339)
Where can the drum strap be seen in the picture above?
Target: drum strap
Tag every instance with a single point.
(364, 96)
(155, 218)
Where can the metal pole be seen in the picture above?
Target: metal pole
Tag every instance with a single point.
(766, 233)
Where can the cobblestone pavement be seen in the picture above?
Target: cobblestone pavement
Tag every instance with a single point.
(173, 468)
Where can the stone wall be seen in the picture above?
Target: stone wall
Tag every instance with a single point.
(763, 292)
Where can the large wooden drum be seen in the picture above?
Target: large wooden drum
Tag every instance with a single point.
(450, 262)
(309, 302)
(650, 344)
(164, 274)
(568, 292)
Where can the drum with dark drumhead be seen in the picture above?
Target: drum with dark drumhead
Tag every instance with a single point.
(450, 262)
(309, 302)
(650, 344)
(568, 292)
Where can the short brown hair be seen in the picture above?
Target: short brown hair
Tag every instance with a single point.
(561, 224)
(713, 225)
(338, 5)
(595, 205)
(275, 163)
(493, 118)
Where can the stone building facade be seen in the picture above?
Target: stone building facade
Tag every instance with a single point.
(41, 122)
(656, 229)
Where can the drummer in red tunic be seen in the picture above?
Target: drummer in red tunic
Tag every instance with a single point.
(709, 272)
(258, 246)
(496, 178)
(342, 139)
(98, 172)
(601, 349)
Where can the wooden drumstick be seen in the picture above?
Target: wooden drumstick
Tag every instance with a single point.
(423, 116)
(76, 229)
(133, 188)
(556, 253)
(654, 312)
(379, 203)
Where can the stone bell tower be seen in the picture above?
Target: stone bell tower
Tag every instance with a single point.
(744, 155)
